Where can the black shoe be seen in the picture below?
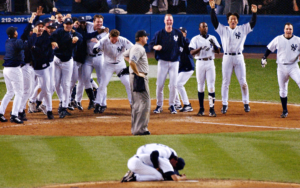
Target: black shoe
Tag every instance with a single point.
(178, 106)
(102, 109)
(224, 109)
(212, 112)
(91, 105)
(246, 107)
(15, 119)
(59, 107)
(187, 108)
(74, 103)
(97, 108)
(22, 116)
(70, 107)
(144, 133)
(284, 114)
(129, 176)
(2, 118)
(79, 106)
(50, 115)
(63, 113)
(201, 112)
(38, 103)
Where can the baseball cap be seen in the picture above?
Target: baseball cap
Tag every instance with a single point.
(183, 29)
(180, 164)
(39, 22)
(141, 33)
(47, 20)
(68, 20)
(52, 25)
(11, 31)
(81, 19)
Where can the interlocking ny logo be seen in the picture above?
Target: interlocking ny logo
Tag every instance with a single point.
(120, 49)
(238, 35)
(99, 37)
(294, 47)
(175, 37)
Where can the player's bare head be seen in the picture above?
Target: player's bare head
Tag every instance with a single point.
(98, 21)
(40, 29)
(233, 19)
(288, 30)
(59, 17)
(114, 36)
(12, 32)
(168, 20)
(203, 28)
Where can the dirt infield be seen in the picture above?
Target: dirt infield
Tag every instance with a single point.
(116, 121)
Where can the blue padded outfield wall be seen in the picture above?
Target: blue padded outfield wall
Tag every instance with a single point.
(266, 29)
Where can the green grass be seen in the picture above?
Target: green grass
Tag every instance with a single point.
(28, 161)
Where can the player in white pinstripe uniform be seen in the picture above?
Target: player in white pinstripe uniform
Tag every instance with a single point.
(113, 48)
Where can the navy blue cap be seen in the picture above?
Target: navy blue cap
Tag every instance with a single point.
(81, 19)
(47, 20)
(183, 29)
(141, 33)
(52, 25)
(180, 164)
(39, 22)
(68, 20)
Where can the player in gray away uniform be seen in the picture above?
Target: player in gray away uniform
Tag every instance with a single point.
(113, 48)
(288, 51)
(141, 103)
(233, 38)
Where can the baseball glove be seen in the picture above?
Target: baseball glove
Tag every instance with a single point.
(263, 62)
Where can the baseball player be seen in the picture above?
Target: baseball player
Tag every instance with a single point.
(112, 48)
(204, 47)
(233, 38)
(141, 103)
(63, 42)
(186, 70)
(13, 77)
(93, 61)
(288, 51)
(168, 43)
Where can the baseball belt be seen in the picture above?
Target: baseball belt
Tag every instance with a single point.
(232, 53)
(95, 55)
(205, 59)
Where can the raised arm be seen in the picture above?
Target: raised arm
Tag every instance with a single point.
(213, 14)
(253, 19)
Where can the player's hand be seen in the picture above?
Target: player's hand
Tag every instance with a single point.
(54, 45)
(259, 6)
(212, 4)
(74, 40)
(212, 42)
(94, 40)
(73, 31)
(33, 15)
(141, 75)
(52, 17)
(54, 9)
(106, 30)
(157, 47)
(263, 62)
(205, 48)
(254, 8)
(39, 11)
(35, 30)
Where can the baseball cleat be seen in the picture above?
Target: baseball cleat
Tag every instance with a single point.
(79, 106)
(74, 103)
(172, 109)
(22, 116)
(187, 108)
(158, 110)
(38, 103)
(63, 113)
(59, 107)
(284, 114)
(224, 109)
(201, 112)
(102, 109)
(50, 115)
(129, 176)
(70, 107)
(2, 118)
(31, 107)
(246, 107)
(212, 112)
(178, 106)
(43, 109)
(15, 119)
(91, 105)
(97, 108)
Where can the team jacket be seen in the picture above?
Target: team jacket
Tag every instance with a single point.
(41, 50)
(14, 52)
(172, 45)
(65, 46)
(186, 62)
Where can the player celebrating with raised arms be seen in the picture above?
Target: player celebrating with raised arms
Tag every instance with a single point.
(288, 51)
(233, 38)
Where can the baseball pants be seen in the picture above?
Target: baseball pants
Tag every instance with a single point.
(80, 85)
(63, 75)
(206, 70)
(13, 78)
(106, 73)
(237, 64)
(140, 111)
(165, 67)
(284, 72)
(36, 87)
(29, 81)
(183, 77)
(46, 92)
(87, 69)
(75, 76)
(142, 171)
(52, 84)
